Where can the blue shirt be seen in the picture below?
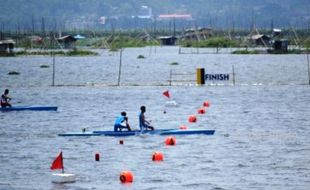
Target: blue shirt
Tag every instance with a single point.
(119, 120)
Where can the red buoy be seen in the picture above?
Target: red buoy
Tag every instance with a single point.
(158, 156)
(183, 127)
(201, 111)
(121, 141)
(126, 177)
(192, 119)
(171, 141)
(206, 104)
(97, 156)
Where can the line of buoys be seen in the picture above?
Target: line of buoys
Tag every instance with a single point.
(170, 141)
(97, 156)
(192, 119)
(201, 111)
(126, 177)
(158, 156)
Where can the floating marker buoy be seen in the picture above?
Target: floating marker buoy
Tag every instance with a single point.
(126, 177)
(192, 119)
(158, 156)
(97, 157)
(183, 127)
(63, 178)
(121, 141)
(171, 141)
(201, 111)
(206, 104)
(171, 103)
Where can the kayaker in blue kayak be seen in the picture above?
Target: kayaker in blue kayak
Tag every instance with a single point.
(143, 123)
(5, 99)
(122, 123)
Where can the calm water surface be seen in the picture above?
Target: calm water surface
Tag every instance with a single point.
(262, 123)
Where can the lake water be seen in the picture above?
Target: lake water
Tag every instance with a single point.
(262, 123)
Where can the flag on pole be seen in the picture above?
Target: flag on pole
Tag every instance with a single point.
(166, 93)
(58, 163)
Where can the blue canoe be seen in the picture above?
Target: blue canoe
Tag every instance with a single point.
(31, 108)
(138, 132)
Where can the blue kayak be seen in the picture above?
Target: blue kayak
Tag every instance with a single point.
(31, 108)
(138, 132)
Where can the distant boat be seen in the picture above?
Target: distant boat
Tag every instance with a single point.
(31, 108)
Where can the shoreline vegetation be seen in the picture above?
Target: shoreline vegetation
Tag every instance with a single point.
(74, 52)
(115, 40)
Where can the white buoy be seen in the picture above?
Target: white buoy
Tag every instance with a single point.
(63, 178)
(171, 103)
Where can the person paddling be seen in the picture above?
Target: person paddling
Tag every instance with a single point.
(5, 99)
(122, 123)
(143, 123)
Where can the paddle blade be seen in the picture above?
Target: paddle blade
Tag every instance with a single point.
(58, 163)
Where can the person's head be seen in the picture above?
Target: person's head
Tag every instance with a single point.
(142, 108)
(6, 91)
(123, 113)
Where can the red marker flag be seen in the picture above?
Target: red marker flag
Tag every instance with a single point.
(58, 163)
(166, 93)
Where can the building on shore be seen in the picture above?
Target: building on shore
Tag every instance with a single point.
(197, 34)
(67, 42)
(7, 46)
(260, 40)
(167, 40)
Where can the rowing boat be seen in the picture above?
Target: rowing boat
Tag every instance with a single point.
(31, 108)
(138, 132)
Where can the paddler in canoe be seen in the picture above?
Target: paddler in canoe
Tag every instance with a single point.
(5, 99)
(143, 123)
(122, 123)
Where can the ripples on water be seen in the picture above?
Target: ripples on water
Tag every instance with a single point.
(261, 140)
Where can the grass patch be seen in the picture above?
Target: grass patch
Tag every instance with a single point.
(74, 52)
(140, 57)
(44, 66)
(13, 73)
(78, 52)
(245, 52)
(174, 63)
(211, 43)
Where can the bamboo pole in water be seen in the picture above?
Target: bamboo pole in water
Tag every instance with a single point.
(308, 66)
(120, 68)
(53, 82)
(233, 70)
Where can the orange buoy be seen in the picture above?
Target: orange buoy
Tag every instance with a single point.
(192, 119)
(97, 156)
(158, 156)
(171, 141)
(183, 127)
(206, 104)
(201, 111)
(126, 177)
(121, 141)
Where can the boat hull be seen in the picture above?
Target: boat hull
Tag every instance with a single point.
(30, 108)
(138, 132)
